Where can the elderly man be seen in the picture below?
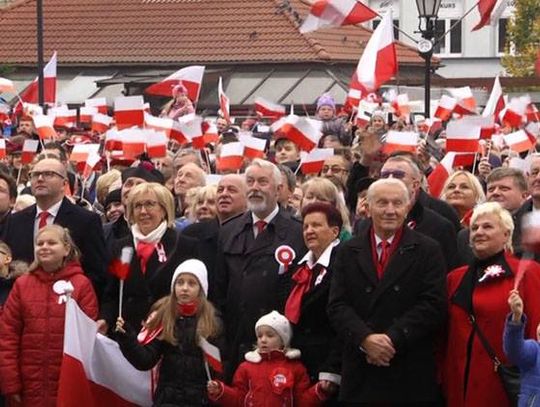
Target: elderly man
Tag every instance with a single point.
(189, 176)
(254, 251)
(231, 202)
(336, 166)
(387, 301)
(48, 178)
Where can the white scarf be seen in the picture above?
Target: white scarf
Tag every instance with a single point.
(153, 237)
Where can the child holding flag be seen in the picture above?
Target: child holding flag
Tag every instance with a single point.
(178, 332)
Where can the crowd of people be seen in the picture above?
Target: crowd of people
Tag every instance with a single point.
(356, 285)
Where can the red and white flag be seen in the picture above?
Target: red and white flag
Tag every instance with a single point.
(210, 132)
(485, 8)
(91, 162)
(336, 13)
(440, 174)
(231, 157)
(169, 126)
(378, 62)
(211, 354)
(462, 136)
(113, 140)
(354, 96)
(133, 142)
(31, 93)
(495, 103)
(518, 141)
(224, 104)
(129, 111)
(29, 151)
(312, 162)
(254, 147)
(99, 103)
(44, 127)
(190, 128)
(532, 113)
(400, 105)
(269, 109)
(63, 117)
(86, 114)
(533, 130)
(466, 103)
(2, 148)
(120, 266)
(514, 113)
(400, 141)
(190, 76)
(101, 122)
(94, 372)
(7, 86)
(486, 123)
(304, 132)
(156, 144)
(445, 107)
(81, 152)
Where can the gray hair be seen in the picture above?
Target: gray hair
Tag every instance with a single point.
(388, 182)
(505, 219)
(276, 173)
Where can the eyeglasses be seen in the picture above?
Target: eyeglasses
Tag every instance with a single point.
(398, 174)
(147, 205)
(334, 169)
(45, 174)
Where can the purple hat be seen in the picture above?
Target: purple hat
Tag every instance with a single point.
(326, 99)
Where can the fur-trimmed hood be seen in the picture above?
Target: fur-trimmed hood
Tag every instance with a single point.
(256, 357)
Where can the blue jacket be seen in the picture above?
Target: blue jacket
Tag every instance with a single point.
(526, 355)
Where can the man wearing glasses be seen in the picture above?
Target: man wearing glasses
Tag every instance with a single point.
(336, 166)
(48, 179)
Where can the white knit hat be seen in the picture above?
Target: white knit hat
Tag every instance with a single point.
(195, 267)
(279, 323)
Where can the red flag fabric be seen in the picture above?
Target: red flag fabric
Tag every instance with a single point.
(30, 94)
(485, 7)
(254, 147)
(462, 136)
(44, 127)
(495, 103)
(304, 132)
(224, 104)
(231, 157)
(336, 13)
(81, 152)
(312, 162)
(120, 266)
(2, 148)
(211, 354)
(101, 122)
(29, 151)
(440, 174)
(518, 141)
(445, 108)
(269, 109)
(91, 163)
(190, 76)
(99, 103)
(129, 111)
(156, 144)
(465, 101)
(400, 141)
(86, 114)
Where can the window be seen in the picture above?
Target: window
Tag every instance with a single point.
(451, 43)
(396, 27)
(501, 35)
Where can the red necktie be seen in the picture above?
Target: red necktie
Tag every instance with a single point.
(260, 224)
(43, 216)
(383, 258)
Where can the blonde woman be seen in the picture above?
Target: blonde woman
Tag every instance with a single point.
(463, 192)
(203, 205)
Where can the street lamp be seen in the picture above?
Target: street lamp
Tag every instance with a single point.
(427, 13)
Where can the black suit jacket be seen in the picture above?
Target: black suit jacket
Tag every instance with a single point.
(408, 304)
(84, 226)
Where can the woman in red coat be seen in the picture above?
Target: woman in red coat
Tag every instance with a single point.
(482, 289)
(32, 324)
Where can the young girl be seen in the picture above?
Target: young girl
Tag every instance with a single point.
(32, 323)
(173, 333)
(523, 353)
(272, 374)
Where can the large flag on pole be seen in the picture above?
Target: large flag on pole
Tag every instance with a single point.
(94, 372)
(378, 62)
(335, 13)
(495, 103)
(190, 76)
(31, 93)
(485, 7)
(224, 103)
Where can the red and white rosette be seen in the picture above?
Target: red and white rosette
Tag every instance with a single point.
(284, 256)
(492, 272)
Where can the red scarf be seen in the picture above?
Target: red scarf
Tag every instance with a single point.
(144, 251)
(302, 277)
(381, 266)
(187, 310)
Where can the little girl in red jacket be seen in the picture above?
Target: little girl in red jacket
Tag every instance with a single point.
(272, 375)
(32, 324)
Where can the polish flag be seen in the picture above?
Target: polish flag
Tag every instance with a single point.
(336, 13)
(156, 144)
(433, 124)
(99, 103)
(119, 267)
(133, 142)
(533, 131)
(29, 151)
(362, 119)
(81, 152)
(445, 107)
(466, 103)
(129, 111)
(486, 123)
(515, 111)
(86, 114)
(113, 140)
(231, 157)
(401, 106)
(169, 126)
(190, 130)
(400, 141)
(312, 162)
(485, 7)
(211, 354)
(254, 147)
(101, 122)
(2, 148)
(210, 132)
(518, 141)
(44, 127)
(378, 62)
(224, 104)
(495, 103)
(440, 174)
(304, 132)
(30, 94)
(7, 86)
(462, 136)
(90, 164)
(532, 113)
(269, 109)
(63, 117)
(94, 372)
(353, 97)
(190, 76)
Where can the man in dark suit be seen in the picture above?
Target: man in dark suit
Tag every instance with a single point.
(48, 179)
(387, 301)
(254, 251)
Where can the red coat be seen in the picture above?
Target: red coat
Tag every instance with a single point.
(490, 306)
(32, 333)
(271, 380)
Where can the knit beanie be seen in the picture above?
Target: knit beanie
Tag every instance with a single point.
(195, 267)
(279, 323)
(326, 99)
(145, 170)
(179, 89)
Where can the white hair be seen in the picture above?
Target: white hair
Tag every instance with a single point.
(276, 173)
(392, 182)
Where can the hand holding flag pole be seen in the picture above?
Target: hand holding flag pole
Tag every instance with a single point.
(120, 268)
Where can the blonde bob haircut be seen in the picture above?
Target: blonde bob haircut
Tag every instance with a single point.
(478, 191)
(505, 219)
(163, 197)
